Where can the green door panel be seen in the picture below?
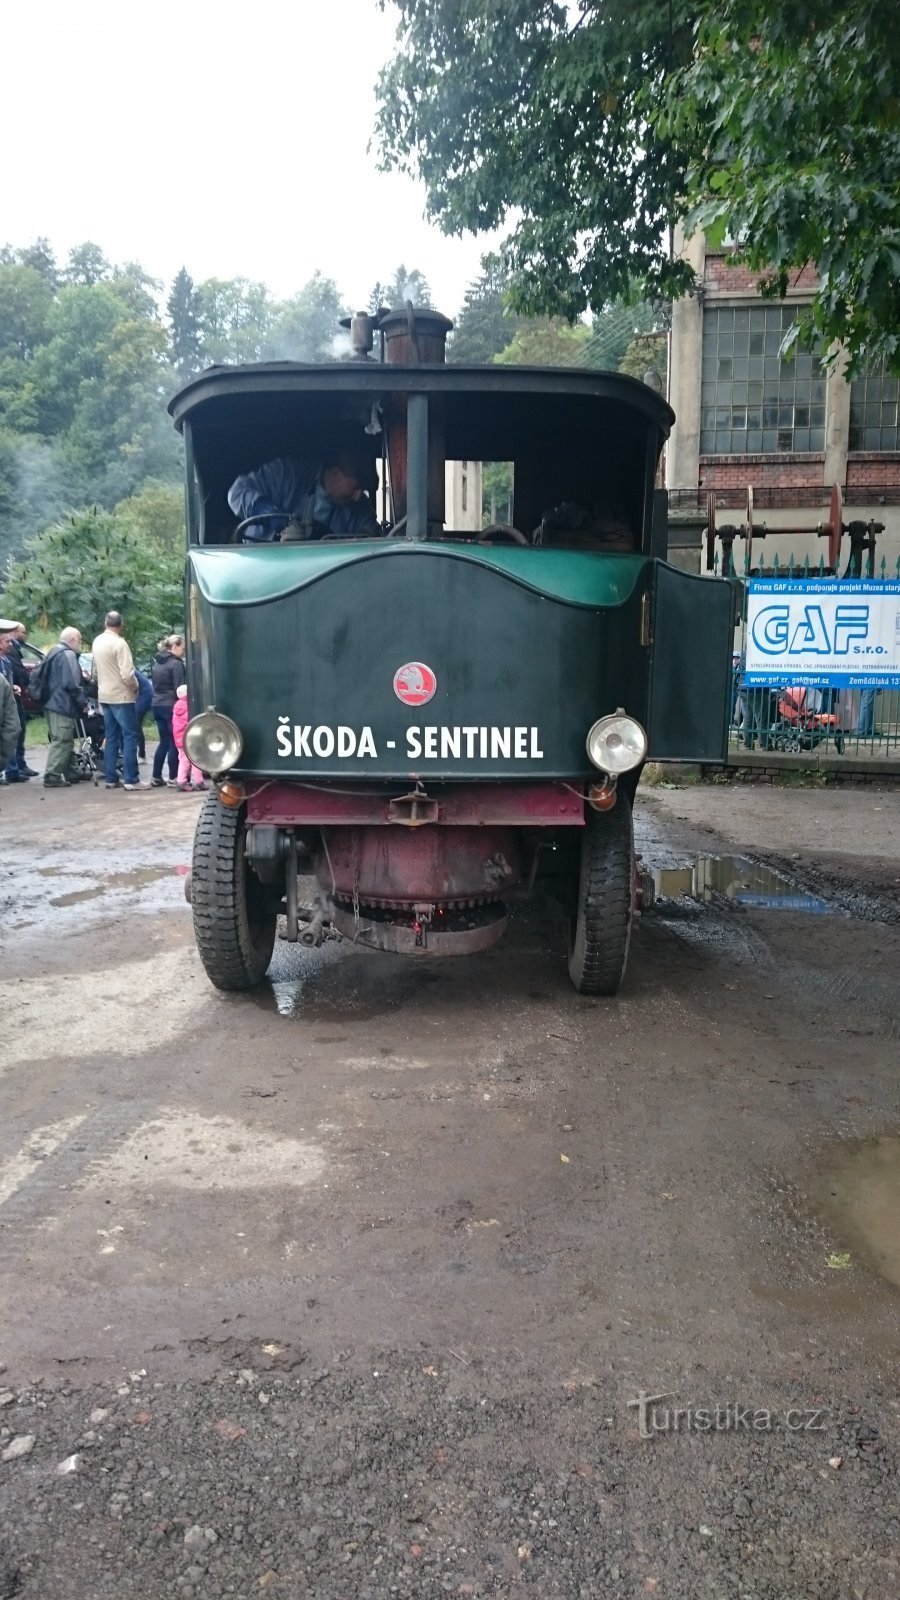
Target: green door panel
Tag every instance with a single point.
(690, 672)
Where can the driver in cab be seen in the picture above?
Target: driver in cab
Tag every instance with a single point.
(309, 499)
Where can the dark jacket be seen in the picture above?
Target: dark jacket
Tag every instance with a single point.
(19, 669)
(9, 720)
(168, 676)
(67, 694)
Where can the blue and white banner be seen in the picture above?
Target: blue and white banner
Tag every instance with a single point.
(824, 632)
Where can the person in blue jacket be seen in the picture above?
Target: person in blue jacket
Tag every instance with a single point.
(321, 500)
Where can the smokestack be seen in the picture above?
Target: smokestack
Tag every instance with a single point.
(415, 336)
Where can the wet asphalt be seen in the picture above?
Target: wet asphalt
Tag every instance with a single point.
(350, 1289)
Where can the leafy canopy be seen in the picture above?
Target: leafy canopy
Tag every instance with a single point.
(590, 133)
(92, 562)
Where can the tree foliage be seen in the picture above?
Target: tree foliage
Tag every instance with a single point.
(404, 285)
(91, 562)
(485, 324)
(592, 131)
(183, 306)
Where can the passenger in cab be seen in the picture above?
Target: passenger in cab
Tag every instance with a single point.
(575, 527)
(313, 500)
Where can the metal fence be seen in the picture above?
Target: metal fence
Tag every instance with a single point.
(857, 724)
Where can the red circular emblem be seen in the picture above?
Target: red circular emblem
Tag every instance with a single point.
(414, 683)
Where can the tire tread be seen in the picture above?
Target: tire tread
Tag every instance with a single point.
(232, 960)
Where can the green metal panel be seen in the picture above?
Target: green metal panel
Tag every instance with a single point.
(530, 646)
(251, 575)
(690, 672)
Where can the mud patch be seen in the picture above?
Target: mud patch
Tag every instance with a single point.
(93, 1013)
(188, 1151)
(136, 879)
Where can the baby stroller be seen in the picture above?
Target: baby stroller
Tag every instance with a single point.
(89, 742)
(803, 721)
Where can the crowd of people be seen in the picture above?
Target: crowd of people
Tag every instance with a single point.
(123, 694)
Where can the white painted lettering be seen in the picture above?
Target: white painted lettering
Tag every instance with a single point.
(346, 742)
(450, 743)
(413, 743)
(431, 743)
(301, 740)
(283, 737)
(500, 743)
(367, 743)
(535, 752)
(483, 743)
(323, 741)
(521, 744)
(470, 735)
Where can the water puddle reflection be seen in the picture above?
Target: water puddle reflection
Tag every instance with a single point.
(862, 1202)
(738, 879)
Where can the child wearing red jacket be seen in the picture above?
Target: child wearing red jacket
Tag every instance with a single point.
(189, 777)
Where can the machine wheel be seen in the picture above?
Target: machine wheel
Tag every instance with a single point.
(234, 914)
(600, 930)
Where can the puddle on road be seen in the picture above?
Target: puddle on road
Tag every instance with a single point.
(738, 879)
(137, 878)
(862, 1202)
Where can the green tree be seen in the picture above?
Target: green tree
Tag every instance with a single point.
(38, 255)
(305, 327)
(235, 318)
(79, 568)
(591, 132)
(100, 380)
(155, 514)
(647, 352)
(86, 265)
(484, 325)
(546, 342)
(26, 299)
(183, 306)
(403, 286)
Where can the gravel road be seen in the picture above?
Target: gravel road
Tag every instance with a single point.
(351, 1290)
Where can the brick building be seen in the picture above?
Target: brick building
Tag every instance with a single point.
(745, 417)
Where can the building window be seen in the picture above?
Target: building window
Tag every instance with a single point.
(751, 400)
(874, 405)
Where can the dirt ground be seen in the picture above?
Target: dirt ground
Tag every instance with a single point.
(350, 1289)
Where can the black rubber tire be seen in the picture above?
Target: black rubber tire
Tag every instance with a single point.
(600, 930)
(234, 914)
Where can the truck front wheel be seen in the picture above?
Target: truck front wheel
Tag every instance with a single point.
(600, 930)
(234, 914)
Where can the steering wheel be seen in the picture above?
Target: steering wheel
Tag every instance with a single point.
(261, 516)
(502, 531)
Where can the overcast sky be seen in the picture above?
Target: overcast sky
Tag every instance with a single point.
(229, 138)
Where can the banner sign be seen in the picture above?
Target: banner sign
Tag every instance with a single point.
(823, 632)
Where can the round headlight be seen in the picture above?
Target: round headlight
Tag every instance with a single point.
(617, 743)
(212, 742)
